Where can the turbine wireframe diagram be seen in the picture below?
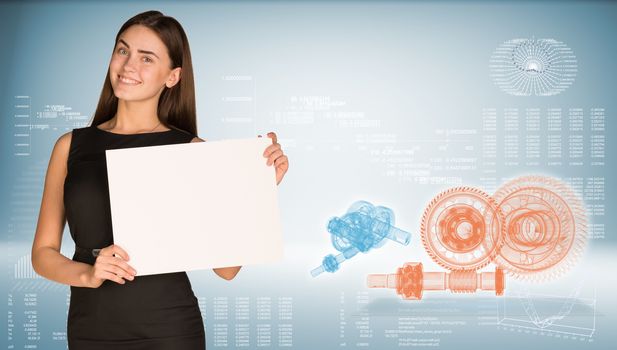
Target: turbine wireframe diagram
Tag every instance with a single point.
(539, 67)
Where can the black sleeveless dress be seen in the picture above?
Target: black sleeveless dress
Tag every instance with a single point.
(151, 312)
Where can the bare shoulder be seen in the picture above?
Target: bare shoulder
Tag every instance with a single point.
(60, 153)
(63, 144)
(197, 139)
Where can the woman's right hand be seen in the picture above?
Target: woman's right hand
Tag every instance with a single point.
(110, 267)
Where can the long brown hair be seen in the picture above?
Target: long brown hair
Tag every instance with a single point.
(176, 106)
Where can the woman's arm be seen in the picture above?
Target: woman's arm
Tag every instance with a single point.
(47, 260)
(46, 257)
(227, 273)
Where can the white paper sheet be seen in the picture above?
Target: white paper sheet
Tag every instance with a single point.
(194, 206)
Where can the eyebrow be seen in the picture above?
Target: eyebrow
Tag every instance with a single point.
(140, 51)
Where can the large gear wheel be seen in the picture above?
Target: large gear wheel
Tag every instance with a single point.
(462, 229)
(545, 227)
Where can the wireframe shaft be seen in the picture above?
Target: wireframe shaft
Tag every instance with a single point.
(410, 281)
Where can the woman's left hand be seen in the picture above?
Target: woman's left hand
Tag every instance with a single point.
(275, 156)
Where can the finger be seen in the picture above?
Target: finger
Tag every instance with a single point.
(272, 135)
(105, 271)
(119, 251)
(124, 265)
(104, 275)
(126, 268)
(114, 249)
(271, 148)
(274, 156)
(281, 161)
(107, 251)
(112, 263)
(118, 271)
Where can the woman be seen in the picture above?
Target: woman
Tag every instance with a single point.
(148, 99)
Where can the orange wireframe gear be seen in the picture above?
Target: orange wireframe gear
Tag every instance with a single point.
(545, 224)
(462, 228)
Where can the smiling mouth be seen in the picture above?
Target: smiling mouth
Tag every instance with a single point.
(128, 81)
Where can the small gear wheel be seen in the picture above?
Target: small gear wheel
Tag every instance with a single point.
(410, 281)
(462, 229)
(545, 227)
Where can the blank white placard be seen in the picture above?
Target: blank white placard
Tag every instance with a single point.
(194, 206)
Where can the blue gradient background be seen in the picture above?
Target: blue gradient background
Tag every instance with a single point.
(413, 66)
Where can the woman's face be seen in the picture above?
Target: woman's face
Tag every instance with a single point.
(140, 65)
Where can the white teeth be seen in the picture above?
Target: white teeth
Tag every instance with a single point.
(128, 81)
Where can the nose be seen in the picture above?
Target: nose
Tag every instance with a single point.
(130, 63)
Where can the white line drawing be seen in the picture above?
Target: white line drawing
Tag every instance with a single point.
(539, 67)
(550, 314)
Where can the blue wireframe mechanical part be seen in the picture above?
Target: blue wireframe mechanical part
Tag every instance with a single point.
(363, 227)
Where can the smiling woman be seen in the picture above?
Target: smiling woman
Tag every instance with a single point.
(136, 73)
(148, 99)
(150, 62)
